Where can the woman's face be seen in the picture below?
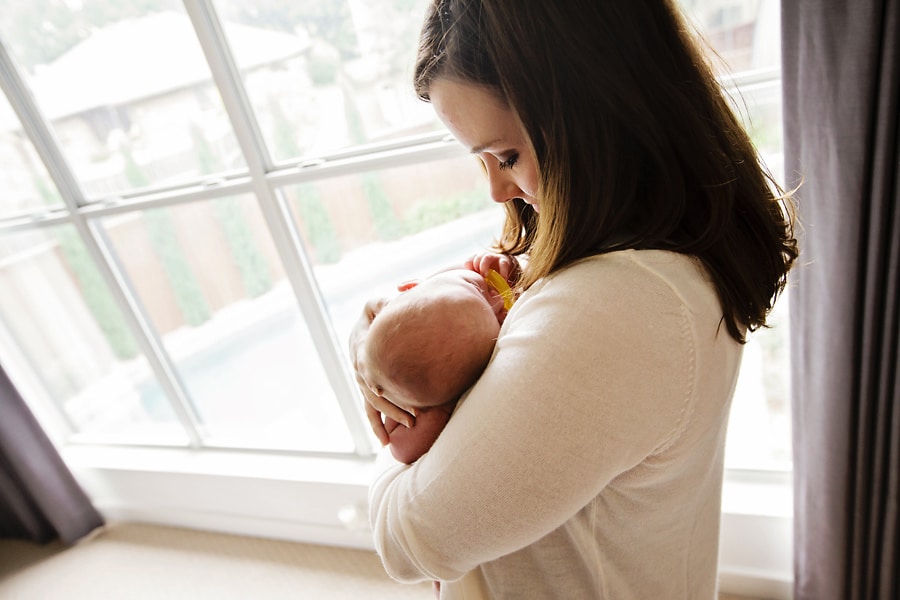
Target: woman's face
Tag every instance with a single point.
(482, 122)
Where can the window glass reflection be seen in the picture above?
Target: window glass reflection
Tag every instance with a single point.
(26, 186)
(325, 76)
(367, 233)
(745, 35)
(214, 288)
(58, 311)
(126, 88)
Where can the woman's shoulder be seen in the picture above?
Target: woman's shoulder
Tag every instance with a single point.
(643, 276)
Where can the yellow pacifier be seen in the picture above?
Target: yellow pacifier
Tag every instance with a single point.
(496, 281)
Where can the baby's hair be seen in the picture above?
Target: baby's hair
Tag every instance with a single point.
(434, 351)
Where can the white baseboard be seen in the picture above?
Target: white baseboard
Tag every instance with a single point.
(203, 520)
(323, 501)
(761, 585)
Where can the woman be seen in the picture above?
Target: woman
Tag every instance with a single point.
(654, 244)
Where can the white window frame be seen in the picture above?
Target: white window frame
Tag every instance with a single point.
(294, 496)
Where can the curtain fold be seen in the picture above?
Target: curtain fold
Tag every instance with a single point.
(39, 498)
(841, 77)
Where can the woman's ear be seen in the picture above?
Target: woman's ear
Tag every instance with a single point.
(407, 285)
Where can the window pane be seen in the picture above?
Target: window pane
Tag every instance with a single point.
(367, 233)
(58, 312)
(126, 88)
(759, 434)
(745, 34)
(323, 76)
(759, 104)
(214, 288)
(26, 186)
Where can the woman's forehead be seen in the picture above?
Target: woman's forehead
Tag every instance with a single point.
(475, 115)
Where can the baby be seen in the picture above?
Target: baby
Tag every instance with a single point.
(427, 346)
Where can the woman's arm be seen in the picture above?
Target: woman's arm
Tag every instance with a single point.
(588, 378)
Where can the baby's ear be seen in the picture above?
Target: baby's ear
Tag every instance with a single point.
(407, 285)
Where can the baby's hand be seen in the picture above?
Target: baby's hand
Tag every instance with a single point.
(507, 266)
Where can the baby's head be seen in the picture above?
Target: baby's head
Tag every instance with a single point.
(430, 343)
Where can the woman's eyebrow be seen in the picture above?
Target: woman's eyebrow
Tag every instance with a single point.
(480, 148)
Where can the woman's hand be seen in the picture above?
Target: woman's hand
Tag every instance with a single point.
(375, 405)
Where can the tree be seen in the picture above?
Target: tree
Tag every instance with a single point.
(40, 31)
(326, 20)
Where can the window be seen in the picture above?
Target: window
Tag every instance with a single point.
(231, 180)
(745, 38)
(200, 196)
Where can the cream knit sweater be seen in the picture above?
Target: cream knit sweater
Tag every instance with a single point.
(587, 460)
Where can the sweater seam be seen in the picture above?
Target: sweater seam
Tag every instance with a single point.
(687, 339)
(690, 394)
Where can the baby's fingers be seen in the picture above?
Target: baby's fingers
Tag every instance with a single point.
(484, 263)
(504, 266)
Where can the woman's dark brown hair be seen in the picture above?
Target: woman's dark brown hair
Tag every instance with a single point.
(635, 143)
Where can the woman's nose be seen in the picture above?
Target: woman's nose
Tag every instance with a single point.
(503, 188)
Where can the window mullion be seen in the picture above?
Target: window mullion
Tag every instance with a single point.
(39, 132)
(441, 148)
(276, 213)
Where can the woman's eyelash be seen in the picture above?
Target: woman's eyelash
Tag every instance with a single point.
(509, 162)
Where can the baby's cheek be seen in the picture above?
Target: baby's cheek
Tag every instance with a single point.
(390, 425)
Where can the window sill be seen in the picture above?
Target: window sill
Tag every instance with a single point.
(323, 500)
(296, 498)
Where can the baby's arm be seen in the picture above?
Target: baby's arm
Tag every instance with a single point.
(409, 444)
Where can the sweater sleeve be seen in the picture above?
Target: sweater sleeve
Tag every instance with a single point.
(592, 373)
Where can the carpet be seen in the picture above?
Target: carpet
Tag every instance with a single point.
(131, 561)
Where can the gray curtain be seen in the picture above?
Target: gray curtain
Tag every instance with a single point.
(39, 498)
(841, 75)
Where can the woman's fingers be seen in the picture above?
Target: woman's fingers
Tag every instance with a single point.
(377, 424)
(377, 407)
(385, 407)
